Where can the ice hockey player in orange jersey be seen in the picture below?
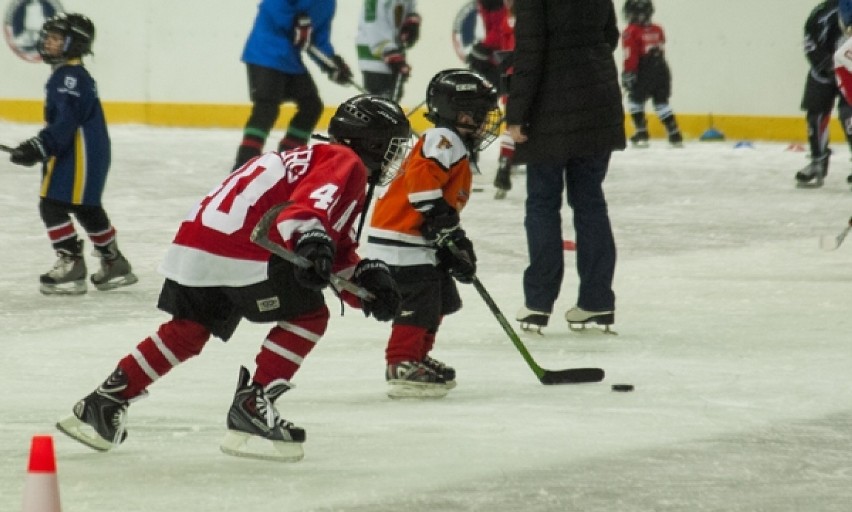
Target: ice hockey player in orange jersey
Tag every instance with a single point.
(415, 226)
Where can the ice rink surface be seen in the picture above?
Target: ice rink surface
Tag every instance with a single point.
(734, 327)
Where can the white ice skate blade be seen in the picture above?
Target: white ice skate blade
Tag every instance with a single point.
(72, 427)
(70, 288)
(406, 389)
(591, 327)
(117, 282)
(241, 444)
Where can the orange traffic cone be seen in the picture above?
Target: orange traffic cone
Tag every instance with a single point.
(41, 491)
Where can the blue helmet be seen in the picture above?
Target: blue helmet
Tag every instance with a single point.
(844, 14)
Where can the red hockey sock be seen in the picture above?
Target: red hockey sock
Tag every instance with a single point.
(175, 342)
(287, 345)
(405, 344)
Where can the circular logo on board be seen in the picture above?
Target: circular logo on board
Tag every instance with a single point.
(22, 25)
(467, 29)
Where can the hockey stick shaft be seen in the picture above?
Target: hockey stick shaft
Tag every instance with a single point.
(6, 148)
(830, 243)
(569, 376)
(260, 236)
(330, 64)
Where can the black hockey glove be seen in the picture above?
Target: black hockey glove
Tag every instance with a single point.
(375, 277)
(628, 81)
(315, 246)
(457, 255)
(409, 31)
(395, 60)
(29, 152)
(340, 73)
(303, 29)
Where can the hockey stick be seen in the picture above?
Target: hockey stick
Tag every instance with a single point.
(569, 376)
(260, 236)
(331, 65)
(830, 243)
(6, 148)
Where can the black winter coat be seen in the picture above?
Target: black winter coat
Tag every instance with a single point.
(565, 90)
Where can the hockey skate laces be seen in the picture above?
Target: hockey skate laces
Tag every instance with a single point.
(118, 421)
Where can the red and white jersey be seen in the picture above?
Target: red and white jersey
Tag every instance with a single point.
(843, 69)
(436, 169)
(324, 186)
(638, 41)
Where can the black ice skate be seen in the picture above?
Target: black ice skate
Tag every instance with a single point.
(640, 139)
(448, 373)
(531, 320)
(813, 175)
(413, 379)
(579, 319)
(99, 419)
(676, 139)
(253, 422)
(503, 178)
(68, 275)
(115, 270)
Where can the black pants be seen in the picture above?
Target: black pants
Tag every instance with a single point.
(819, 99)
(269, 88)
(221, 308)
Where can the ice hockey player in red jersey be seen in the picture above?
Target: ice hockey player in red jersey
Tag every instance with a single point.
(843, 56)
(822, 37)
(216, 276)
(646, 73)
(492, 57)
(417, 217)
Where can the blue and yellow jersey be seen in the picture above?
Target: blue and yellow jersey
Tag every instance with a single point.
(75, 137)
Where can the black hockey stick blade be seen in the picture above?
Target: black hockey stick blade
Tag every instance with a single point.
(260, 236)
(571, 376)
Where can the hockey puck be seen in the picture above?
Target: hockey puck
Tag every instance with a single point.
(622, 387)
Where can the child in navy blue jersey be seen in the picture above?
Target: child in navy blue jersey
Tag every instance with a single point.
(74, 149)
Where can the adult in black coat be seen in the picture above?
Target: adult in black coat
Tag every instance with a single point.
(566, 117)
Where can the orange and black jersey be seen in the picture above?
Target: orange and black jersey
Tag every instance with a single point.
(437, 171)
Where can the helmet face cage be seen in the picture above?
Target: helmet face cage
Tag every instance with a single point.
(78, 33)
(395, 155)
(377, 130)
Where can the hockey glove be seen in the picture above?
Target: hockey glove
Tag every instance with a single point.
(303, 29)
(458, 257)
(395, 60)
(29, 152)
(340, 73)
(375, 277)
(409, 31)
(628, 81)
(316, 247)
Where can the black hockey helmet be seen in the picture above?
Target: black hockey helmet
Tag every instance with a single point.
(377, 130)
(78, 32)
(638, 11)
(455, 91)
